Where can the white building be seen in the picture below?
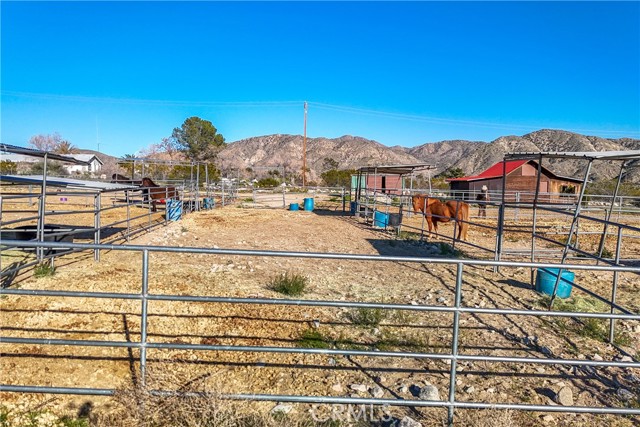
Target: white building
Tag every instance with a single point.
(94, 166)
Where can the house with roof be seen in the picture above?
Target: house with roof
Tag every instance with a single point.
(94, 164)
(521, 177)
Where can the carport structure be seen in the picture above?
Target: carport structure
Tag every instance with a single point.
(17, 218)
(375, 182)
(625, 159)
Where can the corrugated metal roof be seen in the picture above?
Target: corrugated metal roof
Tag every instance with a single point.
(7, 148)
(591, 155)
(66, 183)
(396, 169)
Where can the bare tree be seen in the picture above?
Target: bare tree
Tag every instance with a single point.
(46, 142)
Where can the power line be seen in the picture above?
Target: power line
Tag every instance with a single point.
(318, 105)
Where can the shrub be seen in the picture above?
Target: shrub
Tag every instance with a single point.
(369, 317)
(44, 270)
(312, 338)
(291, 284)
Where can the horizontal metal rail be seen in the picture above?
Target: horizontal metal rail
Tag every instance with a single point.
(318, 255)
(333, 400)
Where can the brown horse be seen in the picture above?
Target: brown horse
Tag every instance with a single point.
(436, 211)
(121, 179)
(158, 193)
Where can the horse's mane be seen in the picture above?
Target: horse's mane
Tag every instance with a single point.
(150, 181)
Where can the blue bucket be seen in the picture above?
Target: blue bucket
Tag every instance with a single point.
(546, 281)
(308, 204)
(207, 203)
(294, 207)
(174, 210)
(380, 219)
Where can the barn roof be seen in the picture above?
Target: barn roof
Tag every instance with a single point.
(494, 171)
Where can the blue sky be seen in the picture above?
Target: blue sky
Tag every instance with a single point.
(124, 74)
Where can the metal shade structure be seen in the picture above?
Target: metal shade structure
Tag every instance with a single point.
(624, 157)
(578, 155)
(397, 169)
(69, 183)
(7, 148)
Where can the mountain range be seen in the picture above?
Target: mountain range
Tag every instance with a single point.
(285, 151)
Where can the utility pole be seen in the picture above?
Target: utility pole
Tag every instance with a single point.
(304, 148)
(97, 135)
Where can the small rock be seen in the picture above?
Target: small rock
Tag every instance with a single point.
(409, 422)
(358, 387)
(470, 389)
(491, 390)
(441, 299)
(403, 389)
(377, 392)
(380, 379)
(429, 392)
(332, 361)
(597, 357)
(337, 388)
(632, 378)
(281, 407)
(625, 394)
(564, 396)
(626, 359)
(548, 419)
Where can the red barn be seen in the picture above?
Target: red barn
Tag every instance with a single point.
(521, 178)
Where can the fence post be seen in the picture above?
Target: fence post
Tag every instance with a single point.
(96, 225)
(143, 319)
(614, 288)
(126, 192)
(454, 343)
(284, 198)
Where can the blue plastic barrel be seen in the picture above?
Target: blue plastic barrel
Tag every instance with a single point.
(353, 208)
(380, 219)
(294, 207)
(308, 204)
(174, 210)
(546, 281)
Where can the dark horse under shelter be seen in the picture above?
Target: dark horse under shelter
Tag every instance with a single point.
(157, 193)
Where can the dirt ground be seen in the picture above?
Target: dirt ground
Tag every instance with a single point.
(302, 326)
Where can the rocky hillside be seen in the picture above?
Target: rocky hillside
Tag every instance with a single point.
(471, 156)
(286, 150)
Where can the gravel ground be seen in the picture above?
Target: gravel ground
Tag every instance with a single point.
(300, 326)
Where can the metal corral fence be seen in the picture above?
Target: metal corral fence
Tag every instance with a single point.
(549, 221)
(96, 216)
(454, 355)
(329, 198)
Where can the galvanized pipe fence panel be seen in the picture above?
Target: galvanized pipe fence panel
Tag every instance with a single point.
(453, 355)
